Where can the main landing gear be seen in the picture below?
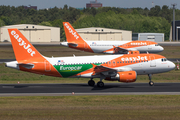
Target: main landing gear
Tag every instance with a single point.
(100, 84)
(92, 83)
(151, 83)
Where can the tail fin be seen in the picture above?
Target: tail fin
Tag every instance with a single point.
(23, 49)
(71, 35)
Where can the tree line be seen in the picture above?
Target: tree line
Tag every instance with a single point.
(156, 19)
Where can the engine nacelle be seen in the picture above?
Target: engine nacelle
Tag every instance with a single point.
(126, 76)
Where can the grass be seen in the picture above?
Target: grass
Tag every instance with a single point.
(171, 52)
(49, 51)
(91, 107)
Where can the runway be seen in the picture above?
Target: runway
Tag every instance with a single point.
(84, 89)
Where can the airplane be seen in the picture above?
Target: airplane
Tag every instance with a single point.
(121, 67)
(109, 47)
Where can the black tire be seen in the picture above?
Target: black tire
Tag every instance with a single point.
(91, 83)
(100, 84)
(151, 83)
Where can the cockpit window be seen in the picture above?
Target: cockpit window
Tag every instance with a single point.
(163, 59)
(156, 45)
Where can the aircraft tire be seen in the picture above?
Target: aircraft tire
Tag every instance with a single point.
(91, 83)
(151, 83)
(100, 84)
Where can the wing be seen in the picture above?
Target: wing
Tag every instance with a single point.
(108, 72)
(118, 50)
(97, 70)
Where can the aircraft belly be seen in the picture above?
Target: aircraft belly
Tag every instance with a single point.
(142, 49)
(98, 49)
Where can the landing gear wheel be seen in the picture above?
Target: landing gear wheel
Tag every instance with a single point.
(91, 83)
(151, 83)
(100, 84)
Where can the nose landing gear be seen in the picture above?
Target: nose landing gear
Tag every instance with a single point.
(151, 83)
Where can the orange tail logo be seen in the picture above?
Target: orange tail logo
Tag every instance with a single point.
(71, 35)
(23, 49)
(74, 38)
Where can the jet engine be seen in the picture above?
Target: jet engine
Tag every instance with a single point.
(126, 76)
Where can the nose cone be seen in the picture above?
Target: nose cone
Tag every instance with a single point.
(171, 65)
(161, 48)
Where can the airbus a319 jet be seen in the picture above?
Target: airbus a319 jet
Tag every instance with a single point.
(122, 68)
(75, 41)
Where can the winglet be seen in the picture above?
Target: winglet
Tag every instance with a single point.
(23, 49)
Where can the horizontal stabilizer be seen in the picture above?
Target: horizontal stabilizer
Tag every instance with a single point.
(27, 65)
(73, 44)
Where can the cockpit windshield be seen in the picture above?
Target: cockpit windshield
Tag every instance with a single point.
(156, 45)
(163, 59)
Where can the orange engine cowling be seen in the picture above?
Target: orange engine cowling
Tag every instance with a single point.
(126, 76)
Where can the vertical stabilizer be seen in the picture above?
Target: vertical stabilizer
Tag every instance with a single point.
(28, 58)
(23, 49)
(74, 39)
(71, 35)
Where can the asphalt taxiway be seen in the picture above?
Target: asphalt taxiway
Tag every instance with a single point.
(84, 89)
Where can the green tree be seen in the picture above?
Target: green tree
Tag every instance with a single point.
(155, 11)
(45, 23)
(6, 20)
(2, 23)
